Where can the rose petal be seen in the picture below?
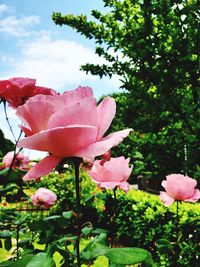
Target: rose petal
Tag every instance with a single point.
(106, 112)
(22, 82)
(26, 130)
(82, 113)
(103, 145)
(44, 167)
(61, 141)
(109, 185)
(166, 199)
(124, 186)
(164, 184)
(42, 111)
(195, 197)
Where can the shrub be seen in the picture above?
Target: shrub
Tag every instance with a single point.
(141, 220)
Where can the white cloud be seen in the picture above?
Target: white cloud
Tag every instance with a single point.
(6, 59)
(56, 63)
(18, 27)
(3, 8)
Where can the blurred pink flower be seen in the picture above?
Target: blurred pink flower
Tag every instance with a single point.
(179, 187)
(113, 173)
(21, 162)
(44, 197)
(67, 125)
(17, 90)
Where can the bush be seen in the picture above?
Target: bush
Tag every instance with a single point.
(141, 220)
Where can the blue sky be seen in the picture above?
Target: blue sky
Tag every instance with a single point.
(33, 46)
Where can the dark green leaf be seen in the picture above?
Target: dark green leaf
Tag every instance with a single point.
(164, 246)
(8, 243)
(41, 260)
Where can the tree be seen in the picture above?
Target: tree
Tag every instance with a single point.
(153, 45)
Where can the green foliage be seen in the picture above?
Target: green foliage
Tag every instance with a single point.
(5, 145)
(155, 154)
(18, 263)
(41, 259)
(140, 220)
(153, 46)
(143, 221)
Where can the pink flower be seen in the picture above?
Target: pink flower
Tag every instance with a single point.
(21, 162)
(17, 90)
(67, 125)
(44, 197)
(179, 187)
(113, 173)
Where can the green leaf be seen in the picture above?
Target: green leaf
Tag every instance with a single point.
(67, 214)
(64, 252)
(41, 260)
(8, 188)
(4, 171)
(5, 234)
(25, 242)
(164, 246)
(46, 235)
(52, 218)
(3, 255)
(116, 265)
(86, 230)
(124, 255)
(19, 263)
(99, 231)
(21, 219)
(8, 243)
(36, 226)
(96, 244)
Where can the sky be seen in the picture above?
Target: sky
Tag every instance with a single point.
(31, 45)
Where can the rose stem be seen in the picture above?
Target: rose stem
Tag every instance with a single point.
(77, 162)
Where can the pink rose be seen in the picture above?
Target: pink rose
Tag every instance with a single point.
(67, 125)
(179, 187)
(44, 197)
(113, 173)
(21, 162)
(17, 90)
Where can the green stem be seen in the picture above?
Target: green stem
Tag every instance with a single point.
(114, 217)
(77, 162)
(17, 240)
(177, 221)
(176, 248)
